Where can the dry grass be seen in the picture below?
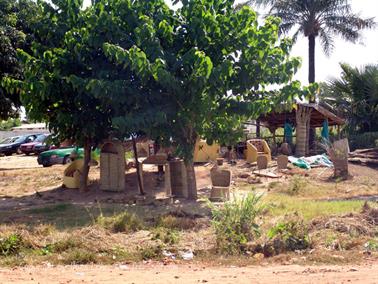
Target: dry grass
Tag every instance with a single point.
(56, 230)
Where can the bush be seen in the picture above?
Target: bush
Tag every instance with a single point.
(10, 245)
(289, 235)
(235, 223)
(124, 222)
(172, 222)
(167, 236)
(151, 252)
(297, 184)
(80, 256)
(363, 140)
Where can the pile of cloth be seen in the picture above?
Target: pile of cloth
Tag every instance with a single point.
(311, 162)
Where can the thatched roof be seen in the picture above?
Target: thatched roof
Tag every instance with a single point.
(318, 115)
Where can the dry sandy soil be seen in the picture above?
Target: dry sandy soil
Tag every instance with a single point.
(191, 274)
(25, 184)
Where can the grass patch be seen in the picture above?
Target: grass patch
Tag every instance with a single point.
(167, 236)
(235, 223)
(123, 222)
(79, 256)
(10, 245)
(281, 204)
(151, 252)
(51, 209)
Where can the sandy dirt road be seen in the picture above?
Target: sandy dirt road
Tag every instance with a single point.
(148, 274)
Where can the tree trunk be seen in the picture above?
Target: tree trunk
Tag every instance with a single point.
(302, 116)
(140, 183)
(87, 160)
(258, 130)
(311, 79)
(311, 61)
(191, 178)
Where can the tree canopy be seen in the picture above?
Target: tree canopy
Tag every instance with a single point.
(323, 19)
(16, 18)
(210, 66)
(355, 96)
(122, 67)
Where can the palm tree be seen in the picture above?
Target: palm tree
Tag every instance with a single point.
(355, 96)
(317, 18)
(321, 19)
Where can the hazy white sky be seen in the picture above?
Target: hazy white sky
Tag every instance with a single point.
(355, 54)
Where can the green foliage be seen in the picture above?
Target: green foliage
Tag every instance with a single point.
(57, 74)
(318, 18)
(151, 252)
(172, 222)
(167, 236)
(63, 245)
(355, 97)
(16, 19)
(372, 245)
(138, 66)
(123, 222)
(9, 124)
(10, 245)
(79, 256)
(363, 140)
(187, 62)
(296, 185)
(292, 233)
(235, 223)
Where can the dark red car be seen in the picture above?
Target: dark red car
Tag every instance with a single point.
(28, 148)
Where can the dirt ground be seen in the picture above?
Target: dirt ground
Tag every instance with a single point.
(32, 195)
(191, 274)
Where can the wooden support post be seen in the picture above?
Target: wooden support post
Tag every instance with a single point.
(138, 168)
(167, 180)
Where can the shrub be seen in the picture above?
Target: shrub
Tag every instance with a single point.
(80, 256)
(167, 236)
(297, 184)
(151, 252)
(172, 222)
(123, 222)
(289, 235)
(235, 223)
(64, 245)
(363, 140)
(10, 245)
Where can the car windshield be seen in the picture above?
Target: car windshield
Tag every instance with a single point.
(41, 138)
(9, 140)
(20, 139)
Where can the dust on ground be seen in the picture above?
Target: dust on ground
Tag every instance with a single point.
(156, 273)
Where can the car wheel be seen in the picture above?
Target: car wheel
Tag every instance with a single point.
(46, 164)
(27, 153)
(8, 154)
(67, 160)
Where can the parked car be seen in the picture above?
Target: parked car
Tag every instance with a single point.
(9, 140)
(59, 156)
(28, 148)
(13, 146)
(42, 147)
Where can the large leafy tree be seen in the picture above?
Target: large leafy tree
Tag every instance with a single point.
(58, 70)
(207, 67)
(355, 96)
(16, 18)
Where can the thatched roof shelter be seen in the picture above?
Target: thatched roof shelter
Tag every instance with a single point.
(319, 113)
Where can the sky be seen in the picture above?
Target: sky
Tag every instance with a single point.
(360, 54)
